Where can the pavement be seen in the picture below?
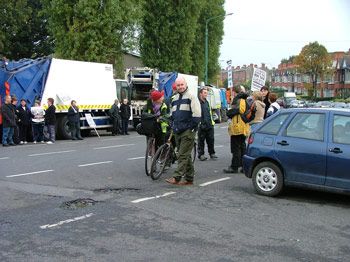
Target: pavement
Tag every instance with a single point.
(128, 217)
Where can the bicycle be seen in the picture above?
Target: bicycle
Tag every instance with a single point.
(150, 152)
(166, 156)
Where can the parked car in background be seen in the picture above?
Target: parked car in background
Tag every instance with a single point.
(339, 105)
(298, 104)
(281, 102)
(300, 147)
(324, 104)
(288, 97)
(310, 104)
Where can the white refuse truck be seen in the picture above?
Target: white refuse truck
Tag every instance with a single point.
(90, 84)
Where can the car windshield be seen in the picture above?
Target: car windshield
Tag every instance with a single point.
(273, 126)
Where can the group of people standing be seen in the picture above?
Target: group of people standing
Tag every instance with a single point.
(264, 104)
(21, 124)
(120, 115)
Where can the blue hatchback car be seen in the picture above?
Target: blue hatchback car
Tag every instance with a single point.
(300, 147)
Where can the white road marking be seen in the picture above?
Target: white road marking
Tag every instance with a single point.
(134, 158)
(219, 146)
(66, 221)
(106, 147)
(32, 173)
(70, 142)
(3, 158)
(215, 181)
(149, 198)
(97, 163)
(53, 153)
(223, 127)
(120, 137)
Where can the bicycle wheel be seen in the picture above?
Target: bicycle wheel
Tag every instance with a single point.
(160, 160)
(194, 152)
(150, 151)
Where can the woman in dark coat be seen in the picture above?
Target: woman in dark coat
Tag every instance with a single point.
(24, 118)
(74, 121)
(265, 95)
(125, 114)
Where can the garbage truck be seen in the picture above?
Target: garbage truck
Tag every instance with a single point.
(142, 80)
(90, 84)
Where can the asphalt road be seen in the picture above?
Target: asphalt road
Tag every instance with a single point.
(220, 218)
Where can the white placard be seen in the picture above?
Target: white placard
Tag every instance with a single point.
(258, 79)
(90, 120)
(91, 123)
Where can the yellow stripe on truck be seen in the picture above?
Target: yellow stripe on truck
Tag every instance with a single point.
(81, 107)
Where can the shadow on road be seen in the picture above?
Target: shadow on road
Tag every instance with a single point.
(316, 197)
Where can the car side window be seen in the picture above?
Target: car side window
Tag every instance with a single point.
(341, 129)
(274, 125)
(307, 125)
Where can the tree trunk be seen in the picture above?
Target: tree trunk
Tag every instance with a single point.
(314, 86)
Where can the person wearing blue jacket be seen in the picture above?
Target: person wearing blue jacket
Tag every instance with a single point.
(185, 116)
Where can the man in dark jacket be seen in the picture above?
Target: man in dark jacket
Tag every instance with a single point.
(15, 136)
(24, 118)
(74, 121)
(125, 114)
(8, 122)
(206, 127)
(114, 114)
(50, 121)
(186, 115)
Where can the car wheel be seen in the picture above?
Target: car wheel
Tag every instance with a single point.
(267, 179)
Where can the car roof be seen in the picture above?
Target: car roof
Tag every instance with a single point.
(316, 110)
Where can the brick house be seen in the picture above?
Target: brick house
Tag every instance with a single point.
(287, 77)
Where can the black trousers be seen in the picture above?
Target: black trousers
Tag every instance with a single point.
(116, 125)
(238, 148)
(75, 130)
(125, 125)
(208, 136)
(23, 130)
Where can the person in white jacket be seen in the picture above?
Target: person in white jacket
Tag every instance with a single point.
(38, 122)
(274, 106)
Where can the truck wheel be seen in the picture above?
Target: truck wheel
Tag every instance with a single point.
(63, 131)
(135, 122)
(85, 132)
(267, 179)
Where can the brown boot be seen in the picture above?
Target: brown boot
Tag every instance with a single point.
(186, 183)
(172, 180)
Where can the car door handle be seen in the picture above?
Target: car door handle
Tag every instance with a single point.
(283, 143)
(335, 150)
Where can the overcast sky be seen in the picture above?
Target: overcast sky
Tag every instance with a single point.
(269, 30)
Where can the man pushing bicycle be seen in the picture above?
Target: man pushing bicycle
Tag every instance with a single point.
(185, 115)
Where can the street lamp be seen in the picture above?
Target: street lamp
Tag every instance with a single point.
(206, 43)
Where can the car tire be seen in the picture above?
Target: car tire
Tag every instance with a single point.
(267, 179)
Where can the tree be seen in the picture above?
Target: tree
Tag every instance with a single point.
(210, 9)
(168, 31)
(23, 30)
(92, 30)
(314, 61)
(288, 60)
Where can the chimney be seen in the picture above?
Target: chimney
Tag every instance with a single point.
(263, 65)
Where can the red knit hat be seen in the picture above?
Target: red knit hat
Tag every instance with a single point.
(156, 95)
(174, 87)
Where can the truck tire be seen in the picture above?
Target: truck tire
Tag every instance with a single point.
(135, 122)
(63, 131)
(85, 132)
